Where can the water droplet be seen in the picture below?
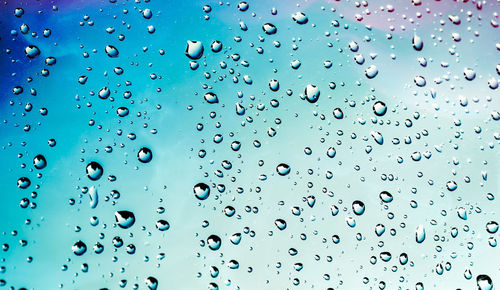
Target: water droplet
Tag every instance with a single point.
(312, 93)
(243, 6)
(420, 234)
(377, 137)
(39, 161)
(379, 229)
(79, 248)
(94, 170)
(300, 18)
(338, 114)
(124, 219)
(379, 108)
(283, 169)
(371, 71)
(145, 155)
(386, 196)
(111, 51)
(104, 93)
(32, 51)
(235, 238)
(211, 98)
(469, 74)
(331, 152)
(23, 182)
(484, 282)
(462, 213)
(146, 13)
(94, 198)
(274, 85)
(151, 283)
(295, 64)
(269, 28)
(162, 225)
(280, 223)
(216, 46)
(420, 81)
(451, 185)
(201, 191)
(417, 42)
(214, 242)
(358, 207)
(385, 256)
(122, 111)
(194, 49)
(492, 227)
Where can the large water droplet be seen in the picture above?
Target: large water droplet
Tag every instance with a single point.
(300, 18)
(144, 155)
(269, 28)
(211, 98)
(358, 207)
(124, 219)
(79, 248)
(451, 185)
(371, 71)
(283, 169)
(312, 93)
(379, 108)
(417, 42)
(151, 283)
(111, 51)
(23, 182)
(216, 46)
(386, 196)
(39, 162)
(492, 227)
(94, 170)
(280, 223)
(201, 191)
(214, 242)
(420, 234)
(32, 51)
(162, 225)
(420, 81)
(94, 198)
(331, 152)
(379, 229)
(484, 282)
(194, 49)
(469, 74)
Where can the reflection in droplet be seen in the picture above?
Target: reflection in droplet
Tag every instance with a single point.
(32, 51)
(283, 169)
(379, 108)
(124, 219)
(201, 191)
(280, 223)
(23, 182)
(371, 71)
(312, 93)
(214, 242)
(79, 248)
(358, 207)
(420, 234)
(269, 28)
(194, 49)
(300, 18)
(145, 155)
(111, 51)
(94, 170)
(211, 98)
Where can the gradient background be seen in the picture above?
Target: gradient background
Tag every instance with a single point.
(168, 180)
